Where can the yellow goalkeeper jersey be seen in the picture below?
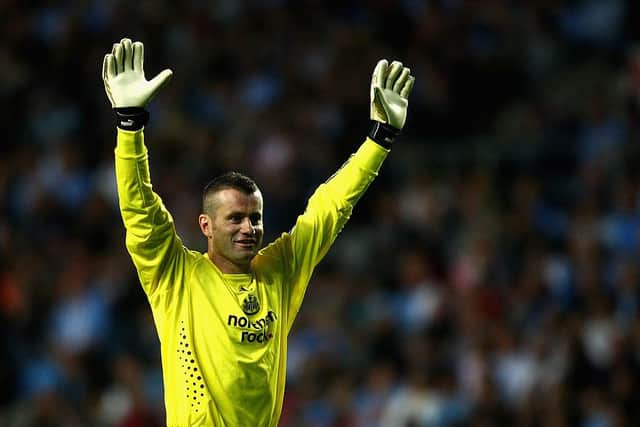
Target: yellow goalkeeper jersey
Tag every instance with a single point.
(223, 337)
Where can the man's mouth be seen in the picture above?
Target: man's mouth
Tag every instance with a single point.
(246, 243)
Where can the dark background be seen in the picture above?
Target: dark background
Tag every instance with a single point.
(489, 277)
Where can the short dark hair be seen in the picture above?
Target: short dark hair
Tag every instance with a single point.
(235, 180)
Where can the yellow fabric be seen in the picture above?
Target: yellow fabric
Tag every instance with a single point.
(223, 353)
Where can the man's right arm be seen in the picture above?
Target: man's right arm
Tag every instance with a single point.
(151, 239)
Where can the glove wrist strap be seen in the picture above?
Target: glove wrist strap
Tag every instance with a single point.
(131, 118)
(383, 134)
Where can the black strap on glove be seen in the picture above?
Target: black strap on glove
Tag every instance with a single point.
(131, 118)
(383, 134)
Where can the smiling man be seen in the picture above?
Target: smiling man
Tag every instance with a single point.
(223, 317)
(232, 221)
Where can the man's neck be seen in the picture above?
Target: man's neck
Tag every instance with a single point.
(228, 267)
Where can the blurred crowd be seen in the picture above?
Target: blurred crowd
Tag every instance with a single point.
(489, 277)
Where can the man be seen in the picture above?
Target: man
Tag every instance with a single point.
(223, 317)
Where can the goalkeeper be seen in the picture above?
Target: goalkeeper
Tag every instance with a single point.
(223, 317)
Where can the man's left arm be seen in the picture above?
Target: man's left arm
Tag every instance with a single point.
(331, 205)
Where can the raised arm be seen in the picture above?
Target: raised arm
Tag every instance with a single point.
(151, 239)
(331, 204)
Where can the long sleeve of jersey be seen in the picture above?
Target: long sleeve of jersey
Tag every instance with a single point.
(327, 211)
(151, 239)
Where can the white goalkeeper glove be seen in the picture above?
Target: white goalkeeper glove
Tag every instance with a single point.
(126, 86)
(390, 89)
(123, 75)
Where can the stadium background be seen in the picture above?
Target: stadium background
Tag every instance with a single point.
(488, 278)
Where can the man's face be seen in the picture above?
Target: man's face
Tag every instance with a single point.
(233, 226)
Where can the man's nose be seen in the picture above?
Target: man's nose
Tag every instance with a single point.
(248, 227)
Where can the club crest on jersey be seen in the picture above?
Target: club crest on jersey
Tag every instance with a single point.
(250, 305)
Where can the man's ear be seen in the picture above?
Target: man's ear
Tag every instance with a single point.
(205, 225)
